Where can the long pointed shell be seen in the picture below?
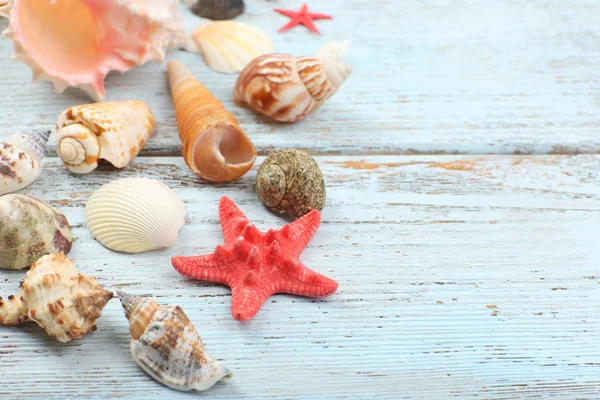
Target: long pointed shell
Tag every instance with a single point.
(288, 88)
(166, 345)
(77, 42)
(213, 144)
(61, 301)
(20, 160)
(29, 229)
(229, 46)
(112, 131)
(133, 215)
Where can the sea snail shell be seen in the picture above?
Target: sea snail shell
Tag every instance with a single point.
(290, 181)
(112, 131)
(288, 88)
(20, 160)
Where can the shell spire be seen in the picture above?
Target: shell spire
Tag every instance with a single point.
(212, 142)
(332, 54)
(13, 311)
(113, 131)
(35, 144)
(167, 347)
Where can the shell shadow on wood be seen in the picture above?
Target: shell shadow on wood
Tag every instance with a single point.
(61, 301)
(166, 345)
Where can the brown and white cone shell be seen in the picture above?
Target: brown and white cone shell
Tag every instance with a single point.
(166, 345)
(288, 88)
(20, 160)
(112, 131)
(61, 301)
(29, 229)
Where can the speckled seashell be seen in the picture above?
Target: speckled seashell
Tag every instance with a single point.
(229, 46)
(112, 131)
(216, 9)
(290, 181)
(166, 345)
(133, 215)
(61, 301)
(29, 229)
(288, 88)
(20, 160)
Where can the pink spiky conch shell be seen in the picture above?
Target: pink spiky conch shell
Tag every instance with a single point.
(75, 43)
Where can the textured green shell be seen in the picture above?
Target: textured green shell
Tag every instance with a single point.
(30, 229)
(290, 181)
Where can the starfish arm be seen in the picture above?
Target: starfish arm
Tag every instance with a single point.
(287, 13)
(300, 232)
(306, 21)
(204, 268)
(233, 221)
(246, 300)
(303, 281)
(319, 16)
(289, 25)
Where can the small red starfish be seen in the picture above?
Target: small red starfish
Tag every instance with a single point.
(303, 17)
(256, 264)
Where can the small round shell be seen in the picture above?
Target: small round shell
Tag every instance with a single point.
(216, 9)
(166, 345)
(133, 215)
(29, 229)
(290, 180)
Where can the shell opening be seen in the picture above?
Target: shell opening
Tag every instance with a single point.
(63, 33)
(235, 148)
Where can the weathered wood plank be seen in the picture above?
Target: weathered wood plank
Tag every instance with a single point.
(447, 76)
(459, 276)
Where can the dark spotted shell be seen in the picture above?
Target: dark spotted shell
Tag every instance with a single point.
(216, 9)
(290, 181)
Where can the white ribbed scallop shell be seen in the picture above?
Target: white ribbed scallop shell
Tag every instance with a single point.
(133, 215)
(228, 46)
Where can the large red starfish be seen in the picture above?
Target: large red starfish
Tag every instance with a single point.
(256, 264)
(303, 17)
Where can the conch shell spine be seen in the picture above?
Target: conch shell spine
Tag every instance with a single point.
(213, 144)
(287, 88)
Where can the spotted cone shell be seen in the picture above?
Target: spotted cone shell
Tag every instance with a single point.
(166, 345)
(290, 181)
(29, 229)
(61, 301)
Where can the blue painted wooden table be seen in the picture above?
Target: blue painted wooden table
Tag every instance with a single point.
(461, 223)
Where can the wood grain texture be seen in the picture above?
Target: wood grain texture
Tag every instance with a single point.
(445, 76)
(459, 277)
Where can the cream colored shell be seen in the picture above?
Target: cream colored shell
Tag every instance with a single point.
(112, 131)
(166, 345)
(61, 301)
(228, 46)
(20, 160)
(288, 88)
(133, 215)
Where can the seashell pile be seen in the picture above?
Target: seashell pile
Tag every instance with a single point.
(133, 215)
(61, 301)
(216, 9)
(112, 131)
(229, 46)
(29, 229)
(287, 88)
(109, 36)
(212, 142)
(167, 347)
(290, 181)
(20, 160)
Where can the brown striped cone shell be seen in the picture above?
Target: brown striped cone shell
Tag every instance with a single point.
(290, 181)
(20, 160)
(112, 131)
(212, 142)
(29, 229)
(167, 347)
(287, 88)
(61, 301)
